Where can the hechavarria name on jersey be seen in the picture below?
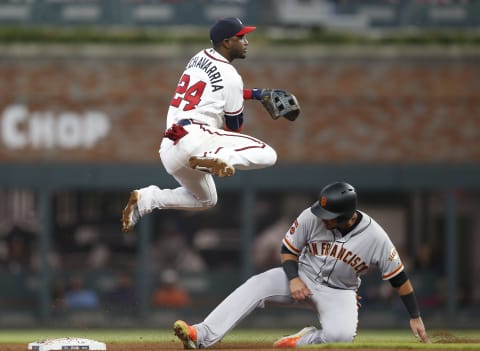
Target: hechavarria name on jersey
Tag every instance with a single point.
(205, 64)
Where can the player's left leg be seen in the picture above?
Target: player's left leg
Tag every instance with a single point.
(196, 193)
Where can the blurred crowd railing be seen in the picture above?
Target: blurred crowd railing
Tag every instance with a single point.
(328, 13)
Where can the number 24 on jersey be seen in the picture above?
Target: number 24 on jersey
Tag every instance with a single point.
(191, 94)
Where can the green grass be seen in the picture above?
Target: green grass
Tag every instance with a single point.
(374, 339)
(104, 335)
(441, 339)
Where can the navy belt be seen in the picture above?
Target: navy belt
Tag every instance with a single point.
(184, 122)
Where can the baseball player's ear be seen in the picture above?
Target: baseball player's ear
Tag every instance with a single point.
(227, 43)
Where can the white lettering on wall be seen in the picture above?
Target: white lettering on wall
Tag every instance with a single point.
(20, 128)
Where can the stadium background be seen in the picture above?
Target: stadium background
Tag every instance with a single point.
(81, 123)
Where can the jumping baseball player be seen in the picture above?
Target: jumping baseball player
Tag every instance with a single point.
(204, 121)
(324, 253)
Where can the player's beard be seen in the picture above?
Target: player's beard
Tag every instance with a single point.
(241, 53)
(330, 224)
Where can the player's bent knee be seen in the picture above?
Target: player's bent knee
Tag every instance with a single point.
(272, 156)
(209, 203)
(209, 200)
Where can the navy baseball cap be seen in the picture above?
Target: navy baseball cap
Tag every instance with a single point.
(227, 28)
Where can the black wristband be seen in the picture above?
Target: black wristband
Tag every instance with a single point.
(410, 302)
(291, 268)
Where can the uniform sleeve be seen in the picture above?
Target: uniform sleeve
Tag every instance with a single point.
(233, 95)
(387, 257)
(296, 237)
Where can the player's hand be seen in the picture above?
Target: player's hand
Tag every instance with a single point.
(419, 329)
(299, 290)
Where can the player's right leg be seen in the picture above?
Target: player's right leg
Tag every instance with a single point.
(240, 303)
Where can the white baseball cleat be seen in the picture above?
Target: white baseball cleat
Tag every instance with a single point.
(211, 165)
(130, 215)
(291, 340)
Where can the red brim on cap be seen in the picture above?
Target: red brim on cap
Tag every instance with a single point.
(245, 30)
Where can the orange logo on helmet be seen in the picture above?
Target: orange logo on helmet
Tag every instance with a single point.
(323, 201)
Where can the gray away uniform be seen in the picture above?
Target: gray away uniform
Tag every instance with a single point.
(329, 264)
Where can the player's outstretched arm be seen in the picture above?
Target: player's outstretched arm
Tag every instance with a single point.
(278, 103)
(405, 290)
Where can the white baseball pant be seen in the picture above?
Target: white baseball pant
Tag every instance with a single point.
(197, 189)
(337, 309)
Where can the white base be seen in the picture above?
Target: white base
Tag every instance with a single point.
(68, 343)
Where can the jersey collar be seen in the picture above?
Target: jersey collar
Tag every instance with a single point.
(357, 221)
(215, 55)
(358, 228)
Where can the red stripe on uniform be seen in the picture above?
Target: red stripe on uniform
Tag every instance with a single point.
(234, 113)
(393, 273)
(214, 58)
(289, 245)
(259, 144)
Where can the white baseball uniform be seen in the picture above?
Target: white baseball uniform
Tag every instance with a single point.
(209, 89)
(330, 264)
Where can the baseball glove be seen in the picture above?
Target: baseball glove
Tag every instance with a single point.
(280, 103)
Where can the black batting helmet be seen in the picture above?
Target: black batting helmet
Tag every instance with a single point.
(336, 201)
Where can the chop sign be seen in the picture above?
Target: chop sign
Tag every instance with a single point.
(20, 128)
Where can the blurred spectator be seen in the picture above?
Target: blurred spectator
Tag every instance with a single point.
(427, 278)
(123, 294)
(172, 250)
(77, 296)
(18, 251)
(53, 258)
(170, 293)
(98, 256)
(58, 296)
(266, 246)
(88, 239)
(19, 255)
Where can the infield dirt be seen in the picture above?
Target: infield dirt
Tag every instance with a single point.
(175, 346)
